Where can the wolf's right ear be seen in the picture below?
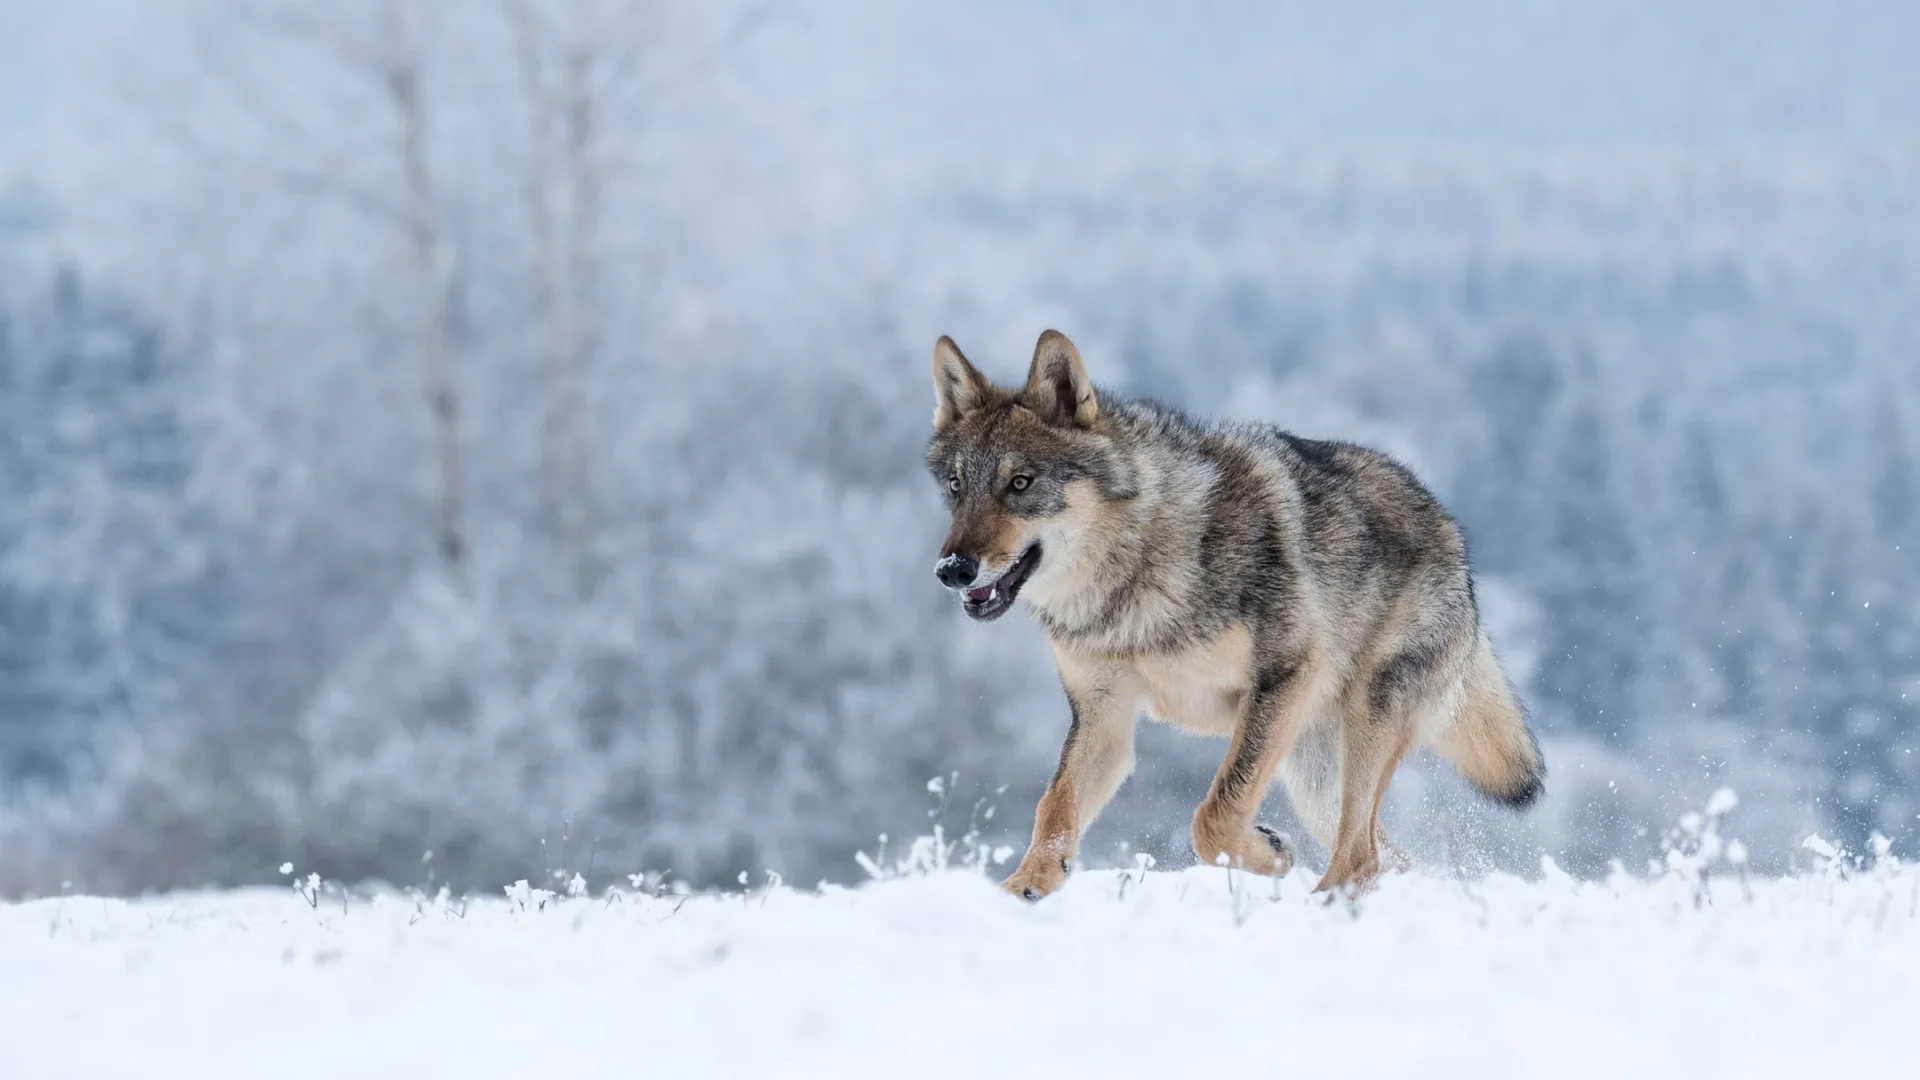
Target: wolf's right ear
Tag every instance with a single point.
(957, 388)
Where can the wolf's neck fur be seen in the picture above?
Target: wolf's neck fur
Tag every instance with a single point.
(1133, 581)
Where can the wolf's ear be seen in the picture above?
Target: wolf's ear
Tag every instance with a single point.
(1057, 385)
(957, 388)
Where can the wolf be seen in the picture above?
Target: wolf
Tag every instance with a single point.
(1309, 600)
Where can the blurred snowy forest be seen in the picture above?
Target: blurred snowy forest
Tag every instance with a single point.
(493, 428)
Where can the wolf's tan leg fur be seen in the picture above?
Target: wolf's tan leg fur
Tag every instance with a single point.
(1097, 757)
(1372, 748)
(1223, 825)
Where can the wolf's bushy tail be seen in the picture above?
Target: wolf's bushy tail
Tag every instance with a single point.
(1489, 741)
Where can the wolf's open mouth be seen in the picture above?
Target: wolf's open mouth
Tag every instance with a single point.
(990, 601)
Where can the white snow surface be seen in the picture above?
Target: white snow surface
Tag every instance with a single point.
(1166, 974)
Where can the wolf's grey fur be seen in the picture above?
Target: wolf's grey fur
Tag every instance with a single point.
(1309, 599)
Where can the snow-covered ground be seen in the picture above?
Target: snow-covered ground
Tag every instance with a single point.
(1121, 974)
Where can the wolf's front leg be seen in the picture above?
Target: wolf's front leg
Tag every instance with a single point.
(1224, 832)
(1097, 756)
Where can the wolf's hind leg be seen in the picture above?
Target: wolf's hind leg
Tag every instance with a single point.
(1311, 772)
(1369, 759)
(1377, 733)
(1223, 827)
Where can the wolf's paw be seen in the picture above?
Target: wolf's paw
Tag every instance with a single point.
(1350, 880)
(1282, 849)
(1257, 850)
(1036, 878)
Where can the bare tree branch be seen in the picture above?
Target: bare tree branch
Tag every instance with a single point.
(739, 31)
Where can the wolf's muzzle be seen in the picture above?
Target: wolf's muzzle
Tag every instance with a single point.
(957, 571)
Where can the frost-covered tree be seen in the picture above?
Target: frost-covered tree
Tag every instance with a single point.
(109, 590)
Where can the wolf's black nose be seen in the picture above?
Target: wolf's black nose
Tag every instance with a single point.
(957, 571)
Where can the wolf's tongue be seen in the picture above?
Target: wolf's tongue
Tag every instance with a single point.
(979, 596)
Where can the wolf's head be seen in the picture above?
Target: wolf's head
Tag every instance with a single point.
(1029, 474)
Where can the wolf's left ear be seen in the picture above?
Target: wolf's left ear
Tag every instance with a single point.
(1057, 384)
(958, 389)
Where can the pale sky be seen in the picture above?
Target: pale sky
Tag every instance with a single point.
(996, 80)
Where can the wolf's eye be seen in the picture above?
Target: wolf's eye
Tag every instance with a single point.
(1021, 483)
(953, 483)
